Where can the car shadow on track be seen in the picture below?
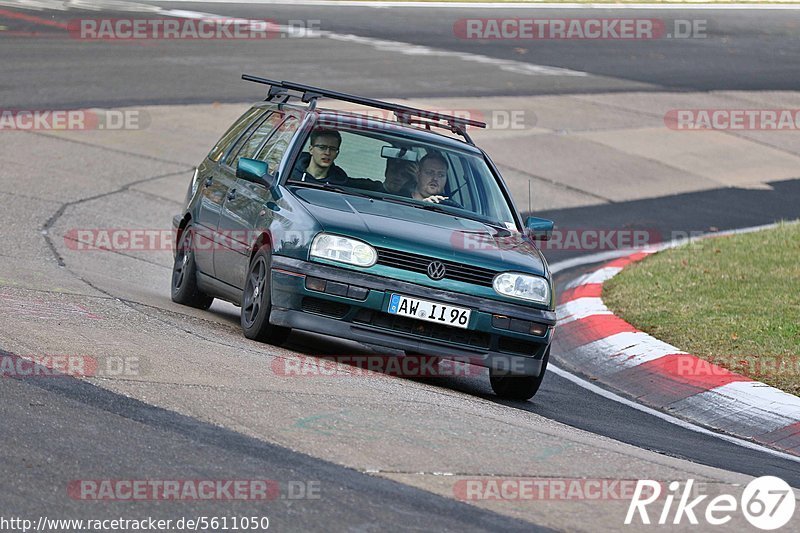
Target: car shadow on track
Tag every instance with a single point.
(453, 376)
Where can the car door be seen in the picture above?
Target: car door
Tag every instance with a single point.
(258, 207)
(239, 208)
(214, 184)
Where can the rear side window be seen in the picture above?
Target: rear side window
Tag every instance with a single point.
(272, 152)
(253, 141)
(233, 133)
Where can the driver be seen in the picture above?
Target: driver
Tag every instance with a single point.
(431, 179)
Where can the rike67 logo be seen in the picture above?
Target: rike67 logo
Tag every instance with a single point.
(766, 502)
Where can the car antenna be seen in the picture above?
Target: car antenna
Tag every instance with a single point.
(530, 210)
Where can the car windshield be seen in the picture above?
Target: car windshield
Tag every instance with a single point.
(391, 167)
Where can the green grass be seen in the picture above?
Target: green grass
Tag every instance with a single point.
(731, 300)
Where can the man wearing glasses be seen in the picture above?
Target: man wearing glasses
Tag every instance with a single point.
(317, 165)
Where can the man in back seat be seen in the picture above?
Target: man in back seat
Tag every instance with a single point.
(401, 177)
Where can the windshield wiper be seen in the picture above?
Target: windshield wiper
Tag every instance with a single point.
(499, 227)
(430, 206)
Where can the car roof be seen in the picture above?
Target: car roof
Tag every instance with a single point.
(353, 120)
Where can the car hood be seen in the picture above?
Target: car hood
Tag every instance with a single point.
(438, 235)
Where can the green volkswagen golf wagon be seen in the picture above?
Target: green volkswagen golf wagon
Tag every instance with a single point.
(391, 230)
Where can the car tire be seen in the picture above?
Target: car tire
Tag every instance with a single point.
(518, 387)
(184, 274)
(257, 304)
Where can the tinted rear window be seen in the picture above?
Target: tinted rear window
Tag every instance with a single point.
(233, 132)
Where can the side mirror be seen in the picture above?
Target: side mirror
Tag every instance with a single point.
(539, 228)
(255, 171)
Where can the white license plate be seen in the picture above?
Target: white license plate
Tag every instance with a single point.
(448, 315)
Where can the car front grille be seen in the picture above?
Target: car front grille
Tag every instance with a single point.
(517, 346)
(430, 330)
(324, 307)
(419, 263)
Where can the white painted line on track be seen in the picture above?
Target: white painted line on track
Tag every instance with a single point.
(115, 5)
(591, 387)
(581, 308)
(598, 276)
(631, 349)
(508, 65)
(382, 45)
(509, 5)
(736, 403)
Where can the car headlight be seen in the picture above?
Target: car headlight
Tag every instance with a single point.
(344, 250)
(523, 286)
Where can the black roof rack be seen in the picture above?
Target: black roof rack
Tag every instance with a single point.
(404, 114)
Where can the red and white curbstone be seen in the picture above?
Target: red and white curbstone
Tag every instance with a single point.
(591, 338)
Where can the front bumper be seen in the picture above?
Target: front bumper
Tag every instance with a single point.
(358, 311)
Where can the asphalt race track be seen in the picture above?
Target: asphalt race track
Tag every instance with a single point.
(763, 56)
(383, 452)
